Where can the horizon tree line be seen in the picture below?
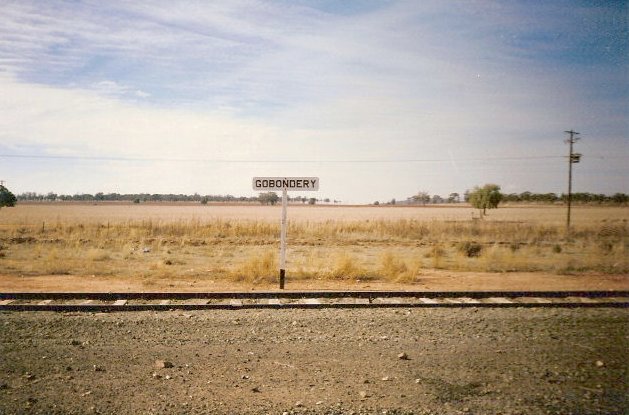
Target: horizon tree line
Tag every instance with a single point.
(421, 198)
(424, 198)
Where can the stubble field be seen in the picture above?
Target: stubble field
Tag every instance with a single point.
(153, 246)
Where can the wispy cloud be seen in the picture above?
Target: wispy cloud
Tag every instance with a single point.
(303, 80)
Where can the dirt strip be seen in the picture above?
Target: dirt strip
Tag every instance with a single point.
(431, 280)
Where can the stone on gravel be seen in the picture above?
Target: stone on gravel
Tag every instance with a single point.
(163, 364)
(403, 356)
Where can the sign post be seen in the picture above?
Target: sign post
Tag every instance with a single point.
(284, 184)
(283, 239)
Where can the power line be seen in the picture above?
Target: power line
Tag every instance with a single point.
(357, 161)
(281, 161)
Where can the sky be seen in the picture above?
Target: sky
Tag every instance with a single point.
(379, 99)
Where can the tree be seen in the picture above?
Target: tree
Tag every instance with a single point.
(6, 197)
(486, 197)
(269, 198)
(421, 197)
(620, 198)
(454, 198)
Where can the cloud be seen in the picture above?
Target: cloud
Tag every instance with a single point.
(94, 123)
(113, 88)
(256, 80)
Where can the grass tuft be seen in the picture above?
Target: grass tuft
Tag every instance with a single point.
(346, 267)
(257, 269)
(391, 266)
(95, 254)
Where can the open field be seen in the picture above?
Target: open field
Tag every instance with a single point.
(33, 214)
(156, 245)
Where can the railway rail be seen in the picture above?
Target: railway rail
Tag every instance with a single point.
(141, 301)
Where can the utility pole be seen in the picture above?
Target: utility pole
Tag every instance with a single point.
(572, 158)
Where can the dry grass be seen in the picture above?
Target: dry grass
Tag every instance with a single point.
(259, 268)
(392, 244)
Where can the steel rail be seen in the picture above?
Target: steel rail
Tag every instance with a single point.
(109, 296)
(309, 299)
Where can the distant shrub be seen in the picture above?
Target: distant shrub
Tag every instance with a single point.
(470, 249)
(514, 246)
(606, 246)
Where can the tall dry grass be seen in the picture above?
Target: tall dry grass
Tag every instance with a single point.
(396, 249)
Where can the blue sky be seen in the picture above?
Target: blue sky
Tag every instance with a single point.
(380, 99)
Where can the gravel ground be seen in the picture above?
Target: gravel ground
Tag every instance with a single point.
(330, 361)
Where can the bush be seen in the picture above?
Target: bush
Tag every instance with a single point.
(470, 249)
(6, 197)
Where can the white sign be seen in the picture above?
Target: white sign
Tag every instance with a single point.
(284, 184)
(299, 184)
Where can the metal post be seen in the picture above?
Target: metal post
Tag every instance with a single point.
(283, 240)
